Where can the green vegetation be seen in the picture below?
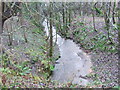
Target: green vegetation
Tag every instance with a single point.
(28, 56)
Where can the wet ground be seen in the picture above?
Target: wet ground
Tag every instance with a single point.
(73, 65)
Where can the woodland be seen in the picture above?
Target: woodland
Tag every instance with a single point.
(59, 44)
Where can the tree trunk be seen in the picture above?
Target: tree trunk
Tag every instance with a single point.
(107, 19)
(1, 30)
(66, 17)
(119, 28)
(109, 10)
(63, 14)
(93, 20)
(69, 16)
(113, 13)
(106, 15)
(60, 24)
(80, 9)
(63, 17)
(51, 36)
(20, 14)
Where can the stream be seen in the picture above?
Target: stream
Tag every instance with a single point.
(73, 65)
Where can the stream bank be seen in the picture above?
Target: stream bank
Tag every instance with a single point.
(73, 65)
(105, 63)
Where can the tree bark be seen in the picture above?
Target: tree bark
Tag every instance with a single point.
(63, 13)
(93, 15)
(119, 28)
(109, 10)
(66, 17)
(1, 29)
(107, 19)
(51, 36)
(69, 16)
(113, 13)
(66, 20)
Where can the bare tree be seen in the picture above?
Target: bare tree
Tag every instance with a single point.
(93, 15)
(63, 13)
(113, 13)
(66, 12)
(106, 12)
(69, 15)
(119, 27)
(51, 36)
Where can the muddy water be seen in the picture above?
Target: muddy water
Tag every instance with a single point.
(73, 65)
